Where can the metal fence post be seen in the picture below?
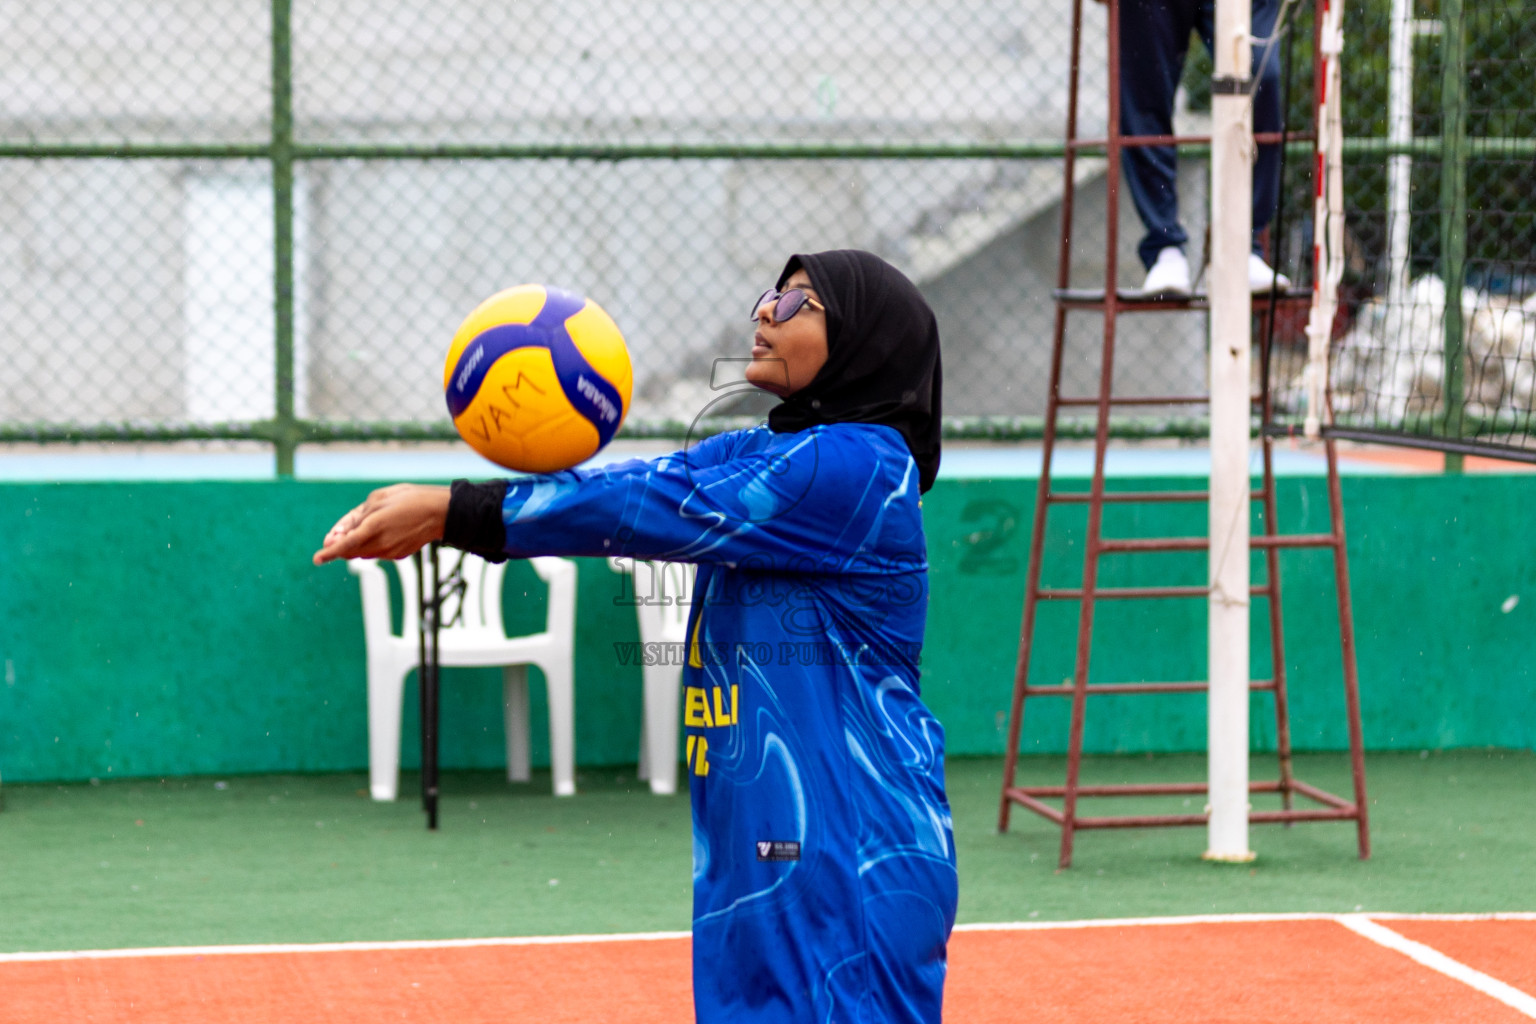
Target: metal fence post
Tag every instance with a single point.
(285, 430)
(1453, 213)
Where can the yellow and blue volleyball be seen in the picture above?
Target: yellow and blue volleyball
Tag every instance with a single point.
(537, 379)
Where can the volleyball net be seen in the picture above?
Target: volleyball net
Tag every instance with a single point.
(1423, 226)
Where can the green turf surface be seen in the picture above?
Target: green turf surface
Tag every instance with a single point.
(311, 859)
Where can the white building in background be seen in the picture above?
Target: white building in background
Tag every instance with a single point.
(227, 296)
(140, 289)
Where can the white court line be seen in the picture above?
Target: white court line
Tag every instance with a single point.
(547, 940)
(1140, 922)
(551, 940)
(1136, 922)
(1513, 915)
(1435, 960)
(334, 947)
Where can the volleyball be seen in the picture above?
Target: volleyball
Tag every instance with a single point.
(537, 379)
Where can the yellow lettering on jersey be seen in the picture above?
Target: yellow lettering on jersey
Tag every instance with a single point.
(723, 717)
(694, 661)
(696, 709)
(698, 755)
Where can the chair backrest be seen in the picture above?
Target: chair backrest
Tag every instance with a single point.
(473, 609)
(663, 595)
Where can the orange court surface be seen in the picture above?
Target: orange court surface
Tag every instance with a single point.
(1423, 460)
(1254, 969)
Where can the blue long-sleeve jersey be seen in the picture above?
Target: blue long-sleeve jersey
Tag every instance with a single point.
(824, 863)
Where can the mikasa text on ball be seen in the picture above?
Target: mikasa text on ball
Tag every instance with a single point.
(537, 379)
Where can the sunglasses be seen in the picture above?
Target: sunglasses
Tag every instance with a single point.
(785, 304)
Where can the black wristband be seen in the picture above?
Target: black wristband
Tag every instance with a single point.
(474, 519)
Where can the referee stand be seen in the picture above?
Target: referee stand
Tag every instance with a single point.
(1062, 804)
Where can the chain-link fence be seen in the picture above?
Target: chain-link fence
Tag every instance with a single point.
(1435, 342)
(226, 219)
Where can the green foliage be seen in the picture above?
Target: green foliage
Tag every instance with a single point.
(1198, 69)
(1499, 89)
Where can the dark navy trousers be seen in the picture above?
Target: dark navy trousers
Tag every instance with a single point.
(1154, 40)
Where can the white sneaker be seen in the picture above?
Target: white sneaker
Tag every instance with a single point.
(1262, 279)
(1169, 276)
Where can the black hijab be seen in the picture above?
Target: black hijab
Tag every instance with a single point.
(882, 355)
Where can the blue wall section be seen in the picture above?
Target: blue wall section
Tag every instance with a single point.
(179, 628)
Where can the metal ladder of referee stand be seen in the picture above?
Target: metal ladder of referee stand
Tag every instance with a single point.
(1112, 303)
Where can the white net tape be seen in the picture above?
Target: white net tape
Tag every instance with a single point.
(1328, 220)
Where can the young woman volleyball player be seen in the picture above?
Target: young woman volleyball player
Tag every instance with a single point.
(824, 864)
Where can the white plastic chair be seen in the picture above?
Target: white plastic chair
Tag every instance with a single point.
(663, 593)
(472, 634)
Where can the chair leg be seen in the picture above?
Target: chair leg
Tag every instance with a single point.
(643, 765)
(386, 691)
(659, 737)
(514, 704)
(562, 727)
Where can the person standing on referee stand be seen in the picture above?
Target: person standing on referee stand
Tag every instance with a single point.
(1154, 41)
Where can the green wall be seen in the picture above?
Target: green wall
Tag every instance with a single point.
(178, 628)
(1433, 561)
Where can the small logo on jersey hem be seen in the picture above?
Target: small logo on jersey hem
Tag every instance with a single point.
(777, 849)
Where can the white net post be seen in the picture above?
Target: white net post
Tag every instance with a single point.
(1232, 154)
(1327, 219)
